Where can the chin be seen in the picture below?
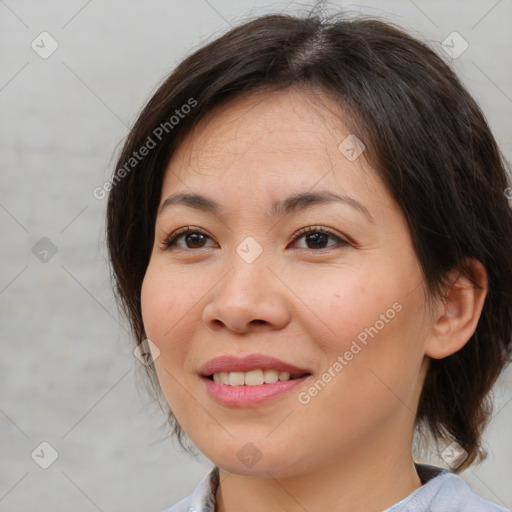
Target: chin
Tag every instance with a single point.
(249, 459)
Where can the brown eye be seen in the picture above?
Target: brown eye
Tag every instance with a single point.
(193, 239)
(318, 237)
(314, 237)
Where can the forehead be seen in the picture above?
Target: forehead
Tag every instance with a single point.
(277, 137)
(289, 119)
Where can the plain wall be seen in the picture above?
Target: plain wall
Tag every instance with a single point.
(68, 375)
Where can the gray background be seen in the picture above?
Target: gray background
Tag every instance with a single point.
(68, 375)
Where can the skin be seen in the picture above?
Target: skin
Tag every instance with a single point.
(300, 303)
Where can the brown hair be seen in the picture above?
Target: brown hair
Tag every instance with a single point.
(426, 138)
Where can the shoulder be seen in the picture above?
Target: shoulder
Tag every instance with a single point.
(443, 491)
(202, 498)
(467, 500)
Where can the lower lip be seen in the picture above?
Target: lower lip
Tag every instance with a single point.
(246, 396)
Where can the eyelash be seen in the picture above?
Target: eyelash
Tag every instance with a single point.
(170, 242)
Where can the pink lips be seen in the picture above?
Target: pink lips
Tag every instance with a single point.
(248, 363)
(246, 396)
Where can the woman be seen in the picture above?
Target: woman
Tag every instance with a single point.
(309, 234)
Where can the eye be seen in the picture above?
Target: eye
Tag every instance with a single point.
(316, 237)
(194, 238)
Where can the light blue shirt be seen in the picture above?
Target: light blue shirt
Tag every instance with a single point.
(441, 491)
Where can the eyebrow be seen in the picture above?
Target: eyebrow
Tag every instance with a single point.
(294, 203)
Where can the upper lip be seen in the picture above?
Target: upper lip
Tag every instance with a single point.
(230, 363)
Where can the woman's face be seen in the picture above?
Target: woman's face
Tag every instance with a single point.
(336, 315)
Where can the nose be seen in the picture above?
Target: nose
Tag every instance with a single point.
(248, 298)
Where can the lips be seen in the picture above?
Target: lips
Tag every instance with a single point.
(228, 364)
(238, 392)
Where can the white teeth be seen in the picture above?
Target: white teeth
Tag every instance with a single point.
(236, 378)
(221, 378)
(270, 376)
(252, 378)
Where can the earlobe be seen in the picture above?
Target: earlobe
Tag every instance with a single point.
(456, 318)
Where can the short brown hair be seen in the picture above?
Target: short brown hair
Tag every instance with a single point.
(426, 138)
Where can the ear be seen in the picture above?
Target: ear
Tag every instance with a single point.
(456, 317)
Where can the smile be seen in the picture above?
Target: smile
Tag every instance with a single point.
(251, 380)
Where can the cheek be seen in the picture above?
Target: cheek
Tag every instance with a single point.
(345, 306)
(152, 305)
(366, 386)
(375, 331)
(162, 306)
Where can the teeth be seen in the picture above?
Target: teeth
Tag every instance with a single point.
(252, 378)
(236, 378)
(270, 376)
(221, 378)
